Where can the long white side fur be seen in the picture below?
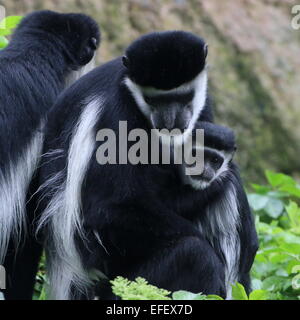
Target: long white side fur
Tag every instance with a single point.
(14, 183)
(64, 210)
(15, 180)
(223, 222)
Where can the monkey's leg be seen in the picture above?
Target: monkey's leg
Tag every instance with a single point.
(153, 243)
(21, 262)
(190, 264)
(21, 268)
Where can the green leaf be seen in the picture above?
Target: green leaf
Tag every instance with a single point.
(291, 265)
(3, 42)
(293, 248)
(296, 279)
(213, 297)
(258, 295)
(279, 179)
(139, 289)
(277, 194)
(256, 284)
(293, 211)
(257, 201)
(292, 190)
(274, 207)
(239, 292)
(5, 32)
(260, 189)
(185, 295)
(10, 22)
(273, 283)
(278, 257)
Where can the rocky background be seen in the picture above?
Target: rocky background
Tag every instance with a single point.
(254, 60)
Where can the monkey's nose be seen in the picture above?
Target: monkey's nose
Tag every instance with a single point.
(163, 122)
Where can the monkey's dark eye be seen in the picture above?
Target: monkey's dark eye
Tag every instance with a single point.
(216, 160)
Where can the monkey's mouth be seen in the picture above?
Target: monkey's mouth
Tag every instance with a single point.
(199, 178)
(202, 179)
(175, 132)
(199, 183)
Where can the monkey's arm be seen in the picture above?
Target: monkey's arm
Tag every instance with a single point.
(160, 246)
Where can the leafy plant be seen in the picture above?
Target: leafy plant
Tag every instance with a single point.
(7, 25)
(137, 290)
(277, 264)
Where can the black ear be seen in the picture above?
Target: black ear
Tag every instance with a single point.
(233, 152)
(93, 43)
(205, 50)
(125, 61)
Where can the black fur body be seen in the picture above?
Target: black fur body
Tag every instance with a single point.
(44, 50)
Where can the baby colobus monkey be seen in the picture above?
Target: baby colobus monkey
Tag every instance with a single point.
(225, 218)
(219, 149)
(48, 51)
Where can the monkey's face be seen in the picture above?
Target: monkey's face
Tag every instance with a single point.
(76, 35)
(166, 74)
(82, 37)
(170, 110)
(173, 112)
(216, 166)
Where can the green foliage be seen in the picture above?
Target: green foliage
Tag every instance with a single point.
(7, 25)
(239, 292)
(185, 295)
(141, 290)
(137, 290)
(41, 280)
(277, 264)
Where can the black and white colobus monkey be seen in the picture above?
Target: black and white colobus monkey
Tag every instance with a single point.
(47, 51)
(225, 218)
(113, 218)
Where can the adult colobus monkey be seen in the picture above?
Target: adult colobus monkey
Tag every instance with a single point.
(112, 218)
(46, 52)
